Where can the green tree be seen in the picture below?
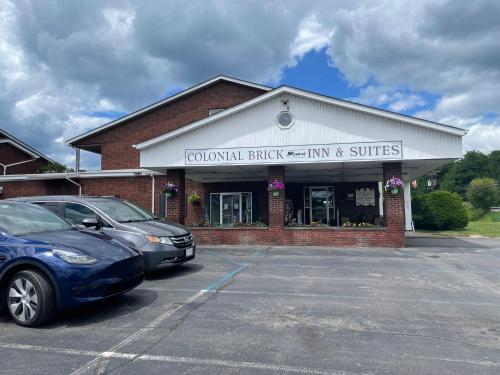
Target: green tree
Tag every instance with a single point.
(483, 193)
(54, 168)
(494, 165)
(439, 210)
(473, 165)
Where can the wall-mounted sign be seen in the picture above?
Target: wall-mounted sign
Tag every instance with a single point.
(365, 197)
(386, 150)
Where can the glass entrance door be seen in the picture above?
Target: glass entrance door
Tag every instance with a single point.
(230, 211)
(230, 208)
(319, 208)
(321, 201)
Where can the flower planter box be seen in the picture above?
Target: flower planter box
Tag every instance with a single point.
(395, 191)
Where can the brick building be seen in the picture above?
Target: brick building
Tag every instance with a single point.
(228, 139)
(16, 157)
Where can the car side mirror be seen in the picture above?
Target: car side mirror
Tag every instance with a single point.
(91, 222)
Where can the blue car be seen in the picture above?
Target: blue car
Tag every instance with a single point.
(48, 265)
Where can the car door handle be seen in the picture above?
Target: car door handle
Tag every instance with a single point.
(3, 257)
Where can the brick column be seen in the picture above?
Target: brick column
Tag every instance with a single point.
(276, 204)
(194, 212)
(176, 205)
(394, 206)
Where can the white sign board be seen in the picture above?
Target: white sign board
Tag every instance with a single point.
(372, 151)
(365, 197)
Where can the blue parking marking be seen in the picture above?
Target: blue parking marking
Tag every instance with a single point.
(216, 284)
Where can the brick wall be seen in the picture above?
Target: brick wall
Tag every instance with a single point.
(9, 154)
(176, 205)
(134, 189)
(117, 150)
(194, 212)
(378, 237)
(394, 206)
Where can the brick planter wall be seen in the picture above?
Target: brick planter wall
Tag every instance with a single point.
(376, 237)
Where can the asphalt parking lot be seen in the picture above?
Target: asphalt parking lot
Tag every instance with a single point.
(432, 308)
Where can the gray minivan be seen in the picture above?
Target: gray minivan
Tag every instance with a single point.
(161, 242)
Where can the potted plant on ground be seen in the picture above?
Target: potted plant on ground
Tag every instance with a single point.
(169, 189)
(194, 198)
(275, 187)
(394, 185)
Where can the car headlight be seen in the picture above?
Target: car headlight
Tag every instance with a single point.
(74, 258)
(159, 240)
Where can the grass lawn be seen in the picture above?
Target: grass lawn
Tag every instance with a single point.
(487, 226)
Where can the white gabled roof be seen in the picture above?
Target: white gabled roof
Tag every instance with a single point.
(165, 101)
(306, 94)
(20, 145)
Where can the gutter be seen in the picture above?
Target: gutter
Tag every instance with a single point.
(79, 175)
(5, 166)
(77, 184)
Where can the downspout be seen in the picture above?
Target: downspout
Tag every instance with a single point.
(77, 184)
(153, 193)
(5, 166)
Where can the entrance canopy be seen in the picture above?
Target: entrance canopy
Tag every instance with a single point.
(312, 135)
(303, 172)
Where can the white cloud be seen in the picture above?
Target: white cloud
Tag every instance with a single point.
(61, 61)
(312, 35)
(483, 137)
(390, 98)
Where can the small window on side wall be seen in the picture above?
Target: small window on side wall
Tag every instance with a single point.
(214, 111)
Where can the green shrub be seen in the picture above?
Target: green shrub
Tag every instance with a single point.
(475, 213)
(439, 210)
(418, 207)
(483, 193)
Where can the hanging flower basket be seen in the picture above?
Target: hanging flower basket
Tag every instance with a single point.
(169, 189)
(194, 198)
(275, 187)
(394, 185)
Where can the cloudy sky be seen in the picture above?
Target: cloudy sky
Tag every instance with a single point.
(69, 66)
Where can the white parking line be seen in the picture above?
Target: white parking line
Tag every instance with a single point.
(98, 362)
(183, 360)
(151, 326)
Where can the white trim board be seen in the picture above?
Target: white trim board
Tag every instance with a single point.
(302, 93)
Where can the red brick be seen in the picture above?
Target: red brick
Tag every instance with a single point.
(9, 154)
(117, 142)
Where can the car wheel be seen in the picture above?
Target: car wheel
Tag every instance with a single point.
(30, 299)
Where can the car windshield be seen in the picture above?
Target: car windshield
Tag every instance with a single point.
(20, 219)
(123, 211)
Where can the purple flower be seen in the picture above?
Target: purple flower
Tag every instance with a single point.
(276, 186)
(169, 187)
(393, 183)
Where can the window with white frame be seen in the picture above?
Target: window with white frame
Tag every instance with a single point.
(230, 208)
